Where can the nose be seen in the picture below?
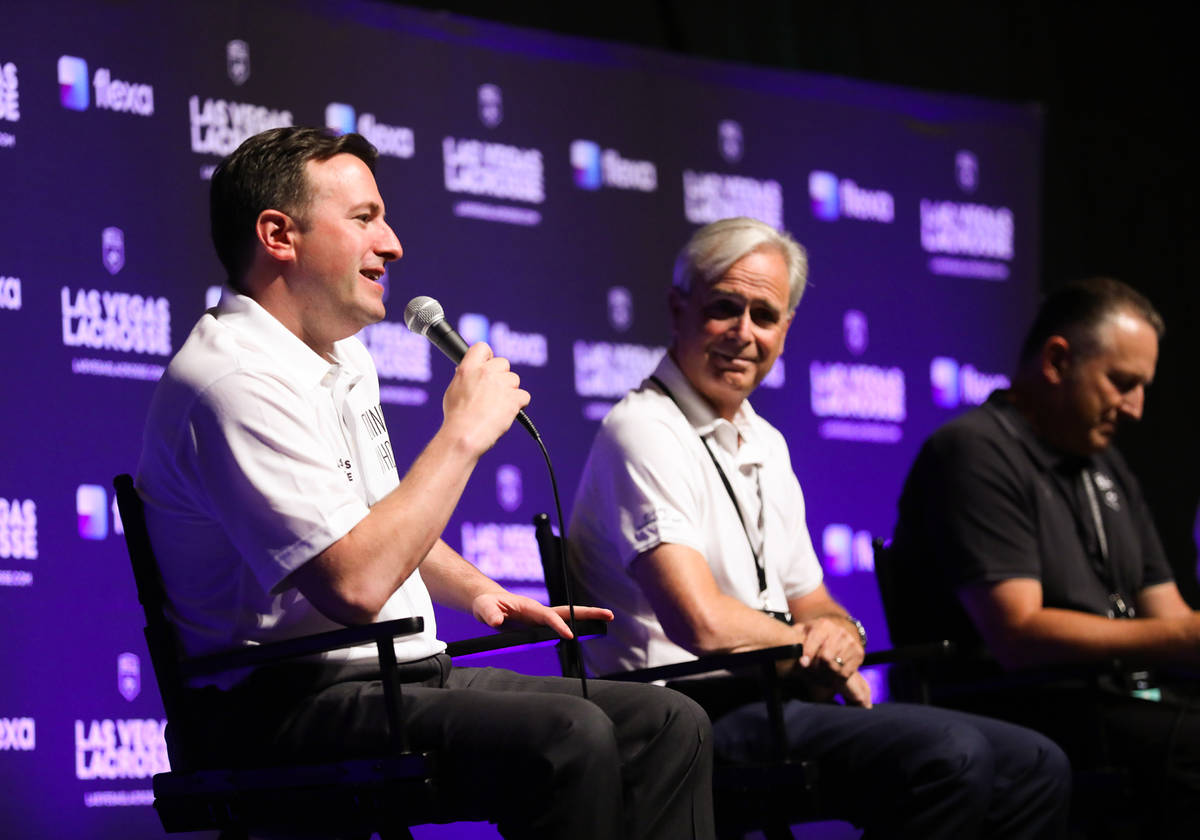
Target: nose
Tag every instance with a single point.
(389, 247)
(1132, 403)
(741, 326)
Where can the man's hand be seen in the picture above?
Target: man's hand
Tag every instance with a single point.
(482, 400)
(496, 609)
(856, 691)
(830, 645)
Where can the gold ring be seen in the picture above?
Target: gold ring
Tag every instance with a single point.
(839, 661)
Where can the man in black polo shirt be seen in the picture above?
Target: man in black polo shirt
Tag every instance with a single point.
(1033, 536)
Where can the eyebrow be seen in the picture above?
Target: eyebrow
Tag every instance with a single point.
(375, 208)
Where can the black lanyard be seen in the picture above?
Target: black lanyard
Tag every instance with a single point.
(759, 564)
(1102, 563)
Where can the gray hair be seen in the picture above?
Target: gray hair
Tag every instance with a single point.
(717, 246)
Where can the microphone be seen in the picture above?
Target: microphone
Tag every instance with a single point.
(425, 316)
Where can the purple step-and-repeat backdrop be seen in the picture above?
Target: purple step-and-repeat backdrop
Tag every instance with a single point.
(541, 186)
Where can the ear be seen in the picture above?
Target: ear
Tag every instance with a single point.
(276, 232)
(676, 301)
(1056, 359)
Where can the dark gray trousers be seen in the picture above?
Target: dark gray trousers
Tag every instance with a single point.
(526, 752)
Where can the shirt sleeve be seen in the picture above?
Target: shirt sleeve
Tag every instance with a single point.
(974, 513)
(255, 449)
(644, 473)
(800, 568)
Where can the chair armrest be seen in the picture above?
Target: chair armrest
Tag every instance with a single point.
(270, 652)
(710, 663)
(525, 636)
(919, 654)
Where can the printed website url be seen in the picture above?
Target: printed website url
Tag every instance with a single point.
(117, 798)
(117, 370)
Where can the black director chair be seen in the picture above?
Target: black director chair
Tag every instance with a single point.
(768, 795)
(344, 799)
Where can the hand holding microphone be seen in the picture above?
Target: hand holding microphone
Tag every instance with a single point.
(490, 383)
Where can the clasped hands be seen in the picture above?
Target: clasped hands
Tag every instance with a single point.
(829, 664)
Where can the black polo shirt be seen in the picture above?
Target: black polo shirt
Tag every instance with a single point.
(987, 501)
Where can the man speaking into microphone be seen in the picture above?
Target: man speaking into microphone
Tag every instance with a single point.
(273, 517)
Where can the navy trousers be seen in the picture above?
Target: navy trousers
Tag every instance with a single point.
(907, 771)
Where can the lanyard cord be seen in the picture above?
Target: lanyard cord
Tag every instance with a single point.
(759, 564)
(1104, 569)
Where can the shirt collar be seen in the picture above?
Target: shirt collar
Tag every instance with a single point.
(255, 325)
(705, 420)
(1044, 455)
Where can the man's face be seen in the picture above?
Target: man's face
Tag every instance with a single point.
(1100, 390)
(342, 248)
(729, 334)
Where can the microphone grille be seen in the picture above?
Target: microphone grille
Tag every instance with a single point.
(422, 313)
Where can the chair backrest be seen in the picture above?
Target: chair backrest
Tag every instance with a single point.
(550, 548)
(161, 637)
(917, 607)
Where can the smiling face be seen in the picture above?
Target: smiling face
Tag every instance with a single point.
(728, 334)
(342, 246)
(1097, 391)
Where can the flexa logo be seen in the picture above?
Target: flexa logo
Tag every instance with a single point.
(509, 489)
(834, 197)
(846, 551)
(18, 734)
(518, 348)
(111, 94)
(952, 384)
(388, 140)
(594, 169)
(92, 512)
(91, 509)
(73, 83)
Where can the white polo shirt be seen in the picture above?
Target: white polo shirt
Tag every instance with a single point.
(648, 481)
(258, 455)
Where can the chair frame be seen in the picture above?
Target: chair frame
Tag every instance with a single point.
(350, 798)
(768, 795)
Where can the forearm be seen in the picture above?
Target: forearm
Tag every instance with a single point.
(453, 581)
(353, 578)
(1056, 636)
(729, 626)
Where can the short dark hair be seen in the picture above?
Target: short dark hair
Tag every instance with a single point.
(267, 172)
(1076, 309)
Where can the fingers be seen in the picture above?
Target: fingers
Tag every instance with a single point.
(585, 613)
(857, 691)
(830, 646)
(482, 399)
